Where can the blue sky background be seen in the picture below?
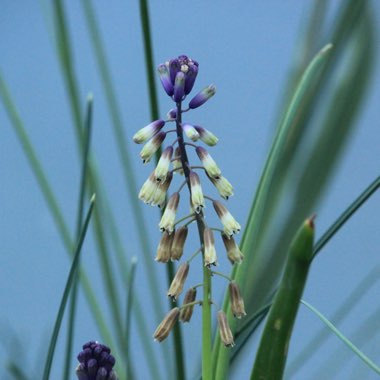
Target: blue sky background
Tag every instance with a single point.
(246, 48)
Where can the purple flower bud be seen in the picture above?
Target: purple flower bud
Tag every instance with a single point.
(202, 96)
(179, 86)
(190, 78)
(147, 132)
(172, 114)
(174, 68)
(165, 79)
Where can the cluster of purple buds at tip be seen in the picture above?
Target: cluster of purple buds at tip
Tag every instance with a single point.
(95, 362)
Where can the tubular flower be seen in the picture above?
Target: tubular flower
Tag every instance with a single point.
(206, 136)
(190, 132)
(159, 197)
(168, 218)
(164, 247)
(231, 226)
(237, 303)
(163, 164)
(187, 311)
(179, 279)
(148, 189)
(224, 330)
(180, 236)
(167, 84)
(177, 164)
(202, 96)
(152, 146)
(233, 252)
(224, 188)
(164, 328)
(209, 164)
(209, 248)
(197, 198)
(148, 132)
(95, 362)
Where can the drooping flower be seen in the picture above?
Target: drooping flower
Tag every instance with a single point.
(237, 303)
(159, 196)
(164, 247)
(206, 136)
(167, 84)
(152, 146)
(233, 252)
(162, 168)
(177, 164)
(168, 218)
(209, 248)
(148, 189)
(190, 132)
(178, 282)
(197, 198)
(180, 236)
(231, 226)
(95, 362)
(208, 162)
(164, 328)
(187, 312)
(223, 186)
(144, 134)
(202, 96)
(225, 330)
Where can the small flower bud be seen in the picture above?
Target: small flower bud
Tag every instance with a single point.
(209, 248)
(231, 226)
(224, 188)
(179, 279)
(233, 252)
(187, 312)
(174, 68)
(159, 197)
(164, 246)
(152, 146)
(177, 163)
(197, 198)
(165, 79)
(147, 132)
(163, 164)
(168, 218)
(237, 303)
(206, 136)
(148, 189)
(166, 325)
(202, 96)
(172, 114)
(179, 86)
(178, 243)
(191, 75)
(224, 330)
(190, 132)
(209, 164)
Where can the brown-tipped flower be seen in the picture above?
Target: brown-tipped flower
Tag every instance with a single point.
(164, 328)
(223, 186)
(209, 247)
(179, 279)
(208, 162)
(197, 198)
(159, 197)
(231, 226)
(178, 243)
(168, 218)
(224, 330)
(148, 189)
(162, 168)
(187, 312)
(177, 163)
(164, 246)
(237, 303)
(233, 252)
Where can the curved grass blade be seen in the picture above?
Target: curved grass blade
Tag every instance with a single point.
(345, 340)
(81, 201)
(15, 370)
(344, 309)
(51, 201)
(69, 283)
(253, 228)
(272, 353)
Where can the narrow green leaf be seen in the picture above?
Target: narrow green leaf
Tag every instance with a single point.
(16, 371)
(272, 353)
(346, 341)
(68, 286)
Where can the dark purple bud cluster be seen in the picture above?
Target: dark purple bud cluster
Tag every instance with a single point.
(95, 362)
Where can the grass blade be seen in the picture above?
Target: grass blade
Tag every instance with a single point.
(345, 340)
(15, 370)
(69, 283)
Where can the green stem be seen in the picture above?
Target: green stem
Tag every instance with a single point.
(206, 326)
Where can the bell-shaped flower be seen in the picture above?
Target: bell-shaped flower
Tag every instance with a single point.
(224, 330)
(209, 248)
(197, 199)
(223, 186)
(178, 243)
(164, 328)
(148, 189)
(152, 146)
(236, 301)
(159, 197)
(162, 168)
(168, 218)
(148, 132)
(164, 247)
(187, 311)
(208, 162)
(233, 252)
(178, 282)
(231, 226)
